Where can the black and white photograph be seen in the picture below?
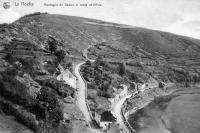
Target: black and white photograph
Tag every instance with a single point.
(99, 66)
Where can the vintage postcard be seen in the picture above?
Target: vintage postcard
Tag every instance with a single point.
(99, 66)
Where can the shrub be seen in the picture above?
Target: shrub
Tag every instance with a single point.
(69, 65)
(51, 104)
(20, 114)
(52, 45)
(133, 77)
(104, 94)
(62, 89)
(3, 25)
(122, 69)
(66, 128)
(60, 55)
(88, 63)
(33, 14)
(27, 63)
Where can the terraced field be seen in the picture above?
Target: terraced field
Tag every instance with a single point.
(143, 53)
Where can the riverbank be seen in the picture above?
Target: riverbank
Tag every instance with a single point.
(176, 112)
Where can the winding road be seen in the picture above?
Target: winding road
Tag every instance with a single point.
(81, 99)
(81, 103)
(81, 96)
(116, 109)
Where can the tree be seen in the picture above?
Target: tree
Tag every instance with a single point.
(133, 77)
(60, 55)
(88, 63)
(52, 45)
(51, 104)
(122, 69)
(69, 65)
(161, 85)
(99, 60)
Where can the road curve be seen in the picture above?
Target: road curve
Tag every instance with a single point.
(81, 96)
(116, 109)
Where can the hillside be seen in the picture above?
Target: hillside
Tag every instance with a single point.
(28, 67)
(77, 33)
(114, 42)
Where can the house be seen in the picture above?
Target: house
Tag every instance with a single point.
(124, 91)
(104, 118)
(142, 87)
(115, 128)
(149, 84)
(119, 92)
(67, 76)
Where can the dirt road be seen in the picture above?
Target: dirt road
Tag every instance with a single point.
(116, 109)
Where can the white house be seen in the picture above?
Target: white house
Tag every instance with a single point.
(68, 77)
(151, 83)
(142, 87)
(104, 119)
(124, 91)
(120, 92)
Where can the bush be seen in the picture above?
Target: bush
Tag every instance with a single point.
(33, 14)
(122, 69)
(68, 65)
(104, 94)
(21, 115)
(66, 128)
(14, 91)
(61, 89)
(27, 63)
(60, 55)
(28, 66)
(3, 25)
(52, 45)
(51, 104)
(9, 57)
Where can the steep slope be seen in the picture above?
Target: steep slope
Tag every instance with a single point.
(73, 32)
(25, 55)
(77, 33)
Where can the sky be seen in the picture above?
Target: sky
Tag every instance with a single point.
(176, 16)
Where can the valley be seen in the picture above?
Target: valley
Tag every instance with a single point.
(64, 74)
